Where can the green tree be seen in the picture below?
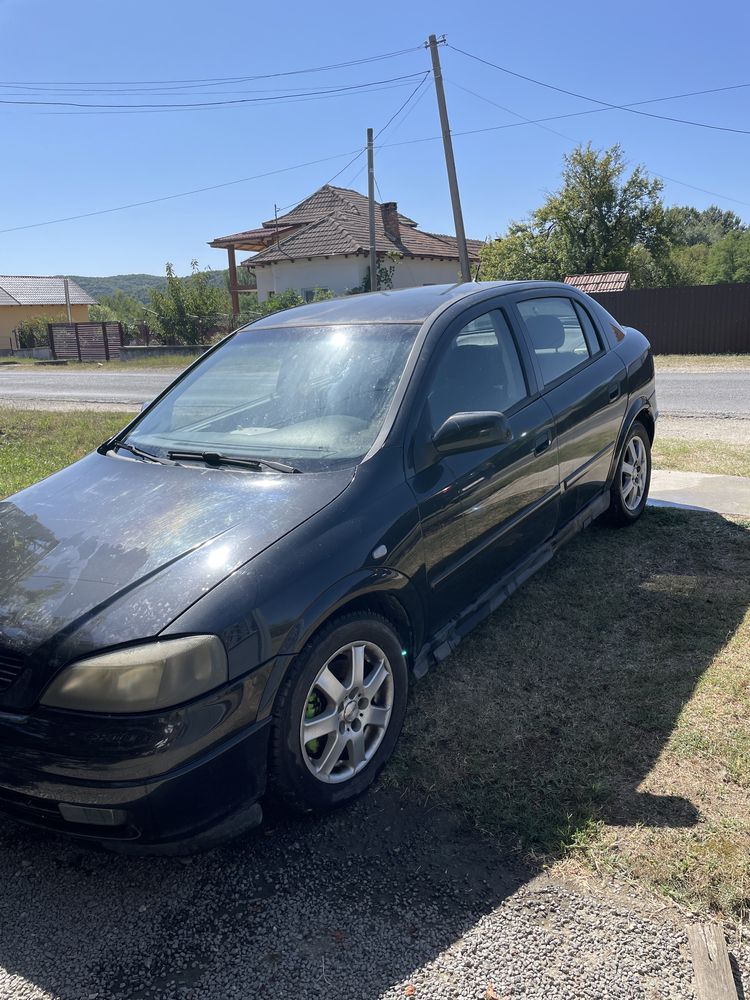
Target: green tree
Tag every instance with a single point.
(121, 308)
(729, 259)
(190, 310)
(594, 222)
(33, 332)
(692, 227)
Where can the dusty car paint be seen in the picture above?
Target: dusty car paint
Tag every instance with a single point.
(113, 550)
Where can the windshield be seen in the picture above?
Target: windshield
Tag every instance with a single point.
(314, 397)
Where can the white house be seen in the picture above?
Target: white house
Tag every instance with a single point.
(324, 243)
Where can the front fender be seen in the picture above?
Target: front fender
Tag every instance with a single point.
(373, 582)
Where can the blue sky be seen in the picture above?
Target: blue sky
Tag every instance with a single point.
(61, 164)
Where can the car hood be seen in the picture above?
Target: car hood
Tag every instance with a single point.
(113, 549)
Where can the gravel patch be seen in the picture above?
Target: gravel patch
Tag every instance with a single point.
(383, 900)
(727, 429)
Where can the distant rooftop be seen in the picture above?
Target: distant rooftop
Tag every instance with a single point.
(38, 290)
(606, 281)
(333, 221)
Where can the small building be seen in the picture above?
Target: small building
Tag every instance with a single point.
(605, 281)
(324, 243)
(25, 297)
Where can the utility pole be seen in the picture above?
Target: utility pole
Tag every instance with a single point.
(450, 163)
(66, 288)
(371, 212)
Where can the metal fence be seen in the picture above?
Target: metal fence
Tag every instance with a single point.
(700, 319)
(85, 341)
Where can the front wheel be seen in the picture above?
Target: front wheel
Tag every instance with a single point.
(632, 479)
(339, 713)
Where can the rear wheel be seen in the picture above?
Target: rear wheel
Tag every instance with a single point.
(339, 713)
(629, 491)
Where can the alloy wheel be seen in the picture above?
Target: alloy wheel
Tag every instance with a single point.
(347, 712)
(633, 473)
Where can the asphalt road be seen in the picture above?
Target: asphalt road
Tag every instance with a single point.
(715, 394)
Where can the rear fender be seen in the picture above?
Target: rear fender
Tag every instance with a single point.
(638, 406)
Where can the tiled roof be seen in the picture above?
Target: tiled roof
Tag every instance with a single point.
(609, 281)
(326, 200)
(33, 290)
(254, 238)
(334, 221)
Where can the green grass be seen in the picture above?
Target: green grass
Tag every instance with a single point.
(721, 457)
(36, 443)
(174, 361)
(602, 716)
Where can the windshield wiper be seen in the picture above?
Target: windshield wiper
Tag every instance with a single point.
(216, 459)
(146, 455)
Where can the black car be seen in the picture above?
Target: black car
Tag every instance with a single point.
(232, 594)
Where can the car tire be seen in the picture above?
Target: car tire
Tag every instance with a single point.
(347, 691)
(632, 479)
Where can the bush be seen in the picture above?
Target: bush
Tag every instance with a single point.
(33, 332)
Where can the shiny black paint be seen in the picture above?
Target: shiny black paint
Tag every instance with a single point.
(113, 551)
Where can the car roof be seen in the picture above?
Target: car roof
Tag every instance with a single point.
(406, 305)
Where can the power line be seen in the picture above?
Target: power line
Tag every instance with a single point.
(335, 156)
(414, 103)
(211, 104)
(570, 138)
(181, 194)
(360, 152)
(215, 80)
(606, 104)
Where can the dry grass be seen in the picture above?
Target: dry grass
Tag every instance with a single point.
(170, 362)
(36, 443)
(687, 455)
(701, 362)
(603, 713)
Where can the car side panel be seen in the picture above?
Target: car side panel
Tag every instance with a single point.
(589, 408)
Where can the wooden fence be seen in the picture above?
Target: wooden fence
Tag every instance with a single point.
(700, 319)
(85, 341)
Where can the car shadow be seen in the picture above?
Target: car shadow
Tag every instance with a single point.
(531, 738)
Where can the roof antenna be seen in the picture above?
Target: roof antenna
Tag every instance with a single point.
(476, 273)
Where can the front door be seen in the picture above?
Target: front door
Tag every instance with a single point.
(482, 512)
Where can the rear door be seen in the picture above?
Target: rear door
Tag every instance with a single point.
(585, 386)
(482, 512)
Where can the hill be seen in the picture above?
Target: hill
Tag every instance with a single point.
(138, 286)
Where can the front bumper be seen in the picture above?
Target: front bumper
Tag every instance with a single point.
(150, 779)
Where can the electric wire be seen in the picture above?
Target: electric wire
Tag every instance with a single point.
(606, 104)
(210, 104)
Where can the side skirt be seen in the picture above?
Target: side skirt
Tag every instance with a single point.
(449, 636)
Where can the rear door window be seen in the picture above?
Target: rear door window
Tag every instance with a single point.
(557, 336)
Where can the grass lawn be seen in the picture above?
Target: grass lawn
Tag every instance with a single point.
(36, 443)
(175, 361)
(701, 456)
(601, 717)
(700, 362)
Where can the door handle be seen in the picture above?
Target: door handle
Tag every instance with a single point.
(542, 443)
(614, 392)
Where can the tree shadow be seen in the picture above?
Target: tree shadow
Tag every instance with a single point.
(548, 718)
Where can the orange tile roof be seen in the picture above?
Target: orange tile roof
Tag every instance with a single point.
(607, 281)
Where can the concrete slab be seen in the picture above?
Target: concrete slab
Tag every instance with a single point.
(700, 491)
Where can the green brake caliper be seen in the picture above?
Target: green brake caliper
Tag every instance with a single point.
(312, 708)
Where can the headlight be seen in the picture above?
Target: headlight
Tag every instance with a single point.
(141, 678)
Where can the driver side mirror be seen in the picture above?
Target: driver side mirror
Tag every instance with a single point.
(469, 431)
